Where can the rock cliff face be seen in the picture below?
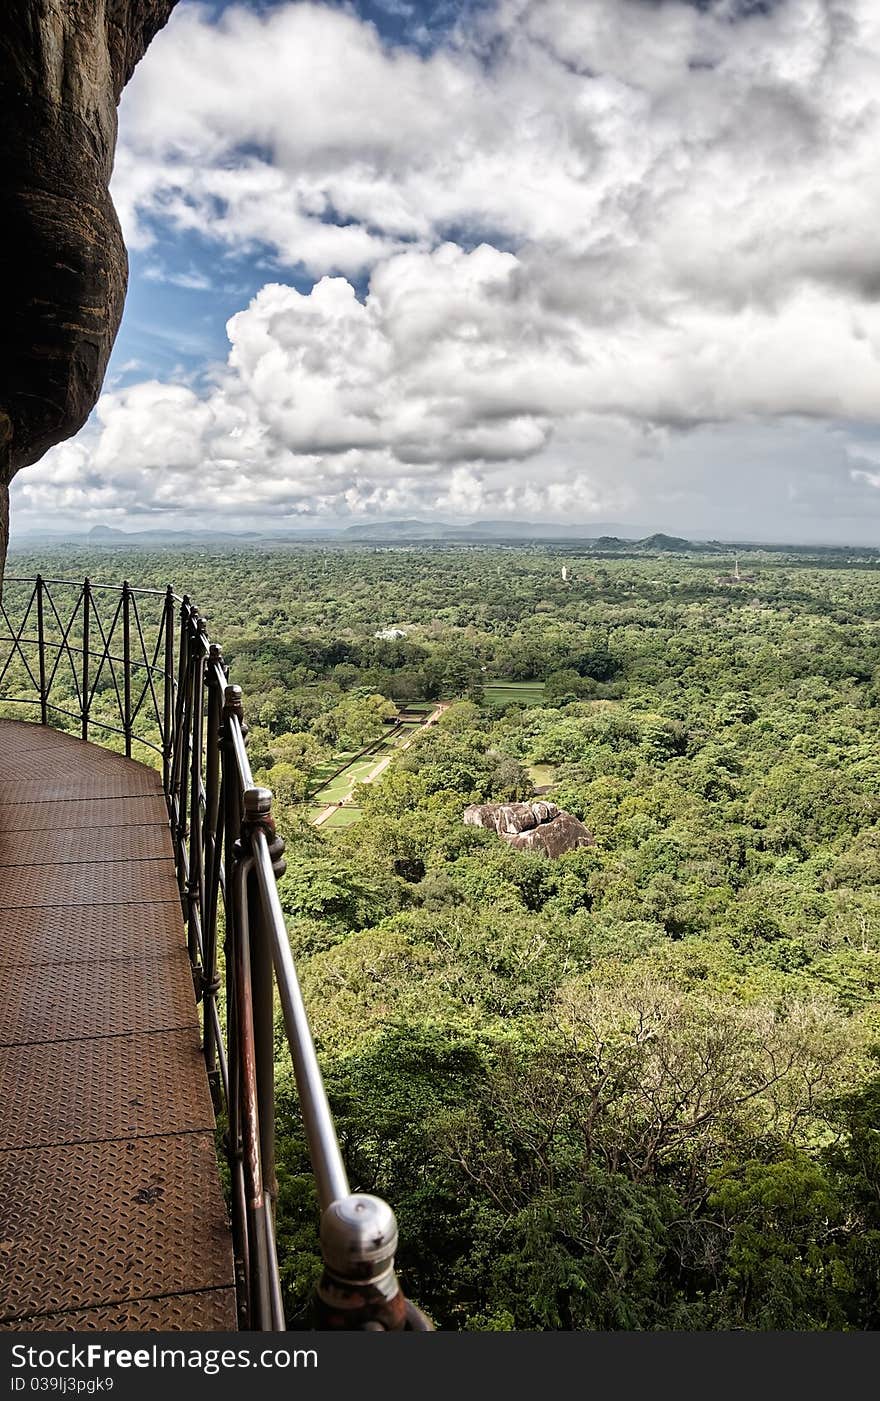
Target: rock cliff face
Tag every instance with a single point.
(63, 65)
(538, 826)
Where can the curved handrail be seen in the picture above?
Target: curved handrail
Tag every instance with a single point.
(326, 1157)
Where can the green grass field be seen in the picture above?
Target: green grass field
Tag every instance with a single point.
(322, 772)
(343, 783)
(327, 789)
(514, 692)
(342, 817)
(542, 774)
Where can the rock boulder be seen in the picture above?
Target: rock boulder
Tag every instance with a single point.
(537, 826)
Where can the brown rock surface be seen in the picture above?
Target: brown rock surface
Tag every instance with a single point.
(482, 815)
(63, 65)
(531, 826)
(562, 833)
(515, 817)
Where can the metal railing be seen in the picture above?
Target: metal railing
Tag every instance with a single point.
(138, 663)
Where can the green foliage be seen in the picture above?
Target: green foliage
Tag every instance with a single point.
(321, 888)
(633, 1087)
(786, 1264)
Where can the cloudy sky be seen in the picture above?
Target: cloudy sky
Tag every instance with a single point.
(562, 260)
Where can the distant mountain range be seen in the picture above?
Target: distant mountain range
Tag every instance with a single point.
(484, 530)
(605, 536)
(398, 530)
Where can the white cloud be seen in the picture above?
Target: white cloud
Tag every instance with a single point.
(589, 130)
(412, 400)
(678, 210)
(191, 280)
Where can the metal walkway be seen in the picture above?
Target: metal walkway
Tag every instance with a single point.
(111, 1213)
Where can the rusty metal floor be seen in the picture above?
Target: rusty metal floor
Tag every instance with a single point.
(111, 1213)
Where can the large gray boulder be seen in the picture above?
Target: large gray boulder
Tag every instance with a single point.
(562, 833)
(63, 65)
(536, 826)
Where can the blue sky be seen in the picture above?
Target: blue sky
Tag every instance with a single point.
(179, 298)
(533, 259)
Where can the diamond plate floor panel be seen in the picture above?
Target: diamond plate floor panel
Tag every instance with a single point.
(77, 1000)
(90, 933)
(210, 1310)
(33, 816)
(111, 1214)
(49, 787)
(65, 845)
(109, 1087)
(19, 737)
(87, 883)
(97, 1223)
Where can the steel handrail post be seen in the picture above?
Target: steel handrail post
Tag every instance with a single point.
(195, 893)
(126, 664)
(168, 695)
(231, 826)
(178, 762)
(260, 1290)
(185, 742)
(279, 1324)
(41, 644)
(213, 818)
(87, 609)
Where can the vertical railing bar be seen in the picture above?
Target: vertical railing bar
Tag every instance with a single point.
(213, 818)
(126, 664)
(231, 827)
(195, 892)
(262, 991)
(260, 1292)
(87, 605)
(178, 769)
(41, 644)
(168, 695)
(222, 1065)
(279, 1324)
(149, 685)
(175, 742)
(257, 817)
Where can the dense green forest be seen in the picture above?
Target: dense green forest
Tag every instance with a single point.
(636, 1087)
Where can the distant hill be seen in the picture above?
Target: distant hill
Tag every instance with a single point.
(109, 534)
(481, 530)
(395, 530)
(669, 542)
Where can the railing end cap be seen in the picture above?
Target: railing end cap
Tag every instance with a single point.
(358, 1236)
(257, 802)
